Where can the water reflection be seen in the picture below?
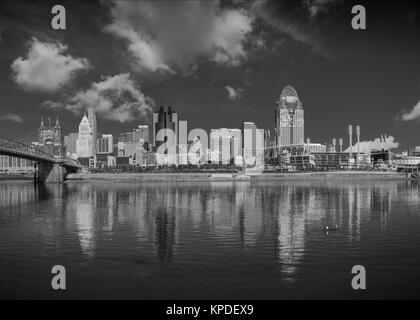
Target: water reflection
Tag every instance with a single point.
(276, 217)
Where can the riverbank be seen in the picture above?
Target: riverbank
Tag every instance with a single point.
(295, 176)
(16, 177)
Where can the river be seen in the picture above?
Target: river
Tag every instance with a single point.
(210, 240)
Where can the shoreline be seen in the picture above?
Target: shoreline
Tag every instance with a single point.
(292, 176)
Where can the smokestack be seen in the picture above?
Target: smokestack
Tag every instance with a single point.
(308, 141)
(340, 143)
(334, 143)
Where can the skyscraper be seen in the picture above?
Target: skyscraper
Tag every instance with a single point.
(252, 141)
(289, 119)
(84, 141)
(141, 135)
(93, 125)
(165, 118)
(226, 146)
(70, 142)
(105, 144)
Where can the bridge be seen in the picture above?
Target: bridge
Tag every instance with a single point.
(48, 168)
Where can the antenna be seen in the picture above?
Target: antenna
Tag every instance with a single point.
(358, 144)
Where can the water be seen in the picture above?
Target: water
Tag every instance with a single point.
(217, 240)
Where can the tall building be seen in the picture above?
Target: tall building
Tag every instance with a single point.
(141, 135)
(93, 125)
(289, 119)
(165, 118)
(70, 141)
(126, 137)
(253, 141)
(49, 138)
(105, 144)
(226, 146)
(85, 140)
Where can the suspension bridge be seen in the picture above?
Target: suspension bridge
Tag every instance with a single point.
(48, 167)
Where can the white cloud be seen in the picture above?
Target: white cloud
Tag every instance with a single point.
(234, 94)
(114, 98)
(163, 36)
(146, 53)
(46, 67)
(11, 117)
(368, 146)
(413, 114)
(288, 24)
(230, 30)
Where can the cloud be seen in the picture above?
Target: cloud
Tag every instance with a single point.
(413, 114)
(164, 36)
(146, 53)
(316, 7)
(281, 17)
(230, 30)
(11, 117)
(46, 67)
(114, 98)
(234, 94)
(368, 146)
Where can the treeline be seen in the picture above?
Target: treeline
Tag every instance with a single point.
(210, 168)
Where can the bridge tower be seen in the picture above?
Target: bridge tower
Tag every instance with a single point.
(50, 138)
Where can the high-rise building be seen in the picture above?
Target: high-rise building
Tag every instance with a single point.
(253, 141)
(227, 144)
(85, 140)
(70, 141)
(164, 119)
(126, 137)
(141, 135)
(93, 125)
(289, 119)
(105, 144)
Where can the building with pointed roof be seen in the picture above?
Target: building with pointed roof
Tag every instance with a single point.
(84, 143)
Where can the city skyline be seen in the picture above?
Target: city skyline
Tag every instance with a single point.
(238, 82)
(192, 151)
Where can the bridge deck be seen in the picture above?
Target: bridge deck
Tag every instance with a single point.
(15, 149)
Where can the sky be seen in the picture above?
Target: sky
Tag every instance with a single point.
(217, 63)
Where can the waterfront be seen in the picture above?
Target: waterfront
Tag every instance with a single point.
(243, 240)
(269, 176)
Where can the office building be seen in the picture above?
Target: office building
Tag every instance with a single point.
(70, 141)
(253, 142)
(227, 143)
(94, 127)
(164, 119)
(105, 144)
(289, 119)
(141, 134)
(85, 140)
